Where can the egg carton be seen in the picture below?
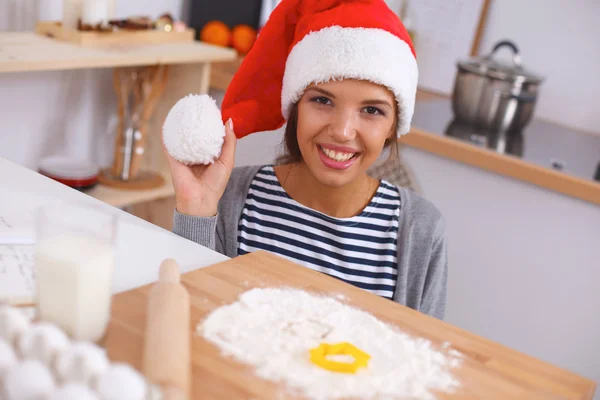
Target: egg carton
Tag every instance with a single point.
(38, 361)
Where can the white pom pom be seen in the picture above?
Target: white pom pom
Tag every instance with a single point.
(43, 341)
(82, 362)
(7, 357)
(73, 391)
(193, 131)
(13, 323)
(28, 380)
(121, 382)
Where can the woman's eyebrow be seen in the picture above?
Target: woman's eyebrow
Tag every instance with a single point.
(323, 91)
(365, 102)
(377, 102)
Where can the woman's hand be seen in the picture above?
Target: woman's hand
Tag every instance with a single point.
(198, 188)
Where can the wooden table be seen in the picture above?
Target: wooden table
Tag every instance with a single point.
(490, 371)
(189, 72)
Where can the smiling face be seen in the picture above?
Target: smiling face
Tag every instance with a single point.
(342, 127)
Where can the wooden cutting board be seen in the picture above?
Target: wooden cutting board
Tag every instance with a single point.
(490, 371)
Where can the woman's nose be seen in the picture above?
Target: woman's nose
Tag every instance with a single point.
(343, 126)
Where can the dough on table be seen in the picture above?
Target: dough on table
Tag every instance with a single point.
(273, 330)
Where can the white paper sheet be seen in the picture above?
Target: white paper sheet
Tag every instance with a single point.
(17, 235)
(17, 225)
(17, 214)
(17, 275)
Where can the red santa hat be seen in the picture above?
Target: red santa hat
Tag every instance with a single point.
(315, 41)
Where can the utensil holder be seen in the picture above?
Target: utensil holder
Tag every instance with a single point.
(138, 90)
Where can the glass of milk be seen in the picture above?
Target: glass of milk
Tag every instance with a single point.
(74, 264)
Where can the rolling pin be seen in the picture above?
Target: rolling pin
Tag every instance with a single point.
(167, 344)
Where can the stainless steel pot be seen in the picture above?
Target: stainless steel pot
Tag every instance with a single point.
(495, 96)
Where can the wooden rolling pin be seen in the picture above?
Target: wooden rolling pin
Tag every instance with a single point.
(167, 340)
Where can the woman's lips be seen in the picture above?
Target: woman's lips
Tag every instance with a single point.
(337, 159)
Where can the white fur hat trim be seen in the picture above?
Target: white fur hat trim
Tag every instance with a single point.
(193, 132)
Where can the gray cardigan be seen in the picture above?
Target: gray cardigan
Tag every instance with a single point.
(422, 258)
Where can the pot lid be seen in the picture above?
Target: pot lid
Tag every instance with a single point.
(493, 68)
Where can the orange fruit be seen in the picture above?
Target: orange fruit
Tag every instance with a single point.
(217, 33)
(243, 38)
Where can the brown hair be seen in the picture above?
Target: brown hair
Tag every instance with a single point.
(292, 152)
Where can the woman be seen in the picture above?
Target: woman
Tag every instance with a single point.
(347, 76)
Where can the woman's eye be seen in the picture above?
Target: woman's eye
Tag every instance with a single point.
(373, 111)
(321, 100)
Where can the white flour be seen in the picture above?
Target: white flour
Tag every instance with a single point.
(274, 329)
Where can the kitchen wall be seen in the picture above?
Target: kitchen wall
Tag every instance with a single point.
(556, 39)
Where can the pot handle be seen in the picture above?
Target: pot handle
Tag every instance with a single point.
(513, 47)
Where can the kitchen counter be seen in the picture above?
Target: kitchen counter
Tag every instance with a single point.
(141, 246)
(545, 154)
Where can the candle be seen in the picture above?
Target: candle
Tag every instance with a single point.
(71, 13)
(111, 9)
(94, 12)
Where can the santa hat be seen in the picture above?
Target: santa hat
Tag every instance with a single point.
(314, 41)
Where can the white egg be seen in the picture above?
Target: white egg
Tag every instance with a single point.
(74, 391)
(28, 380)
(7, 357)
(155, 392)
(43, 341)
(81, 362)
(13, 323)
(122, 382)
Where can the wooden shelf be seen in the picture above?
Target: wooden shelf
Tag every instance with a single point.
(222, 73)
(123, 197)
(28, 51)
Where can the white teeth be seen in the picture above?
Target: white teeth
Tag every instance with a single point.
(336, 155)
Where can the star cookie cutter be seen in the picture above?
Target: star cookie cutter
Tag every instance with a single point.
(318, 356)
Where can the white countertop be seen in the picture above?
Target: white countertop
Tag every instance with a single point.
(141, 246)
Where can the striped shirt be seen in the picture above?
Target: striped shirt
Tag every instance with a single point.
(359, 250)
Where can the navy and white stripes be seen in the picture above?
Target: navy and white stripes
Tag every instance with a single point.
(361, 250)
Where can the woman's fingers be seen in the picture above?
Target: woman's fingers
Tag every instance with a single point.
(228, 152)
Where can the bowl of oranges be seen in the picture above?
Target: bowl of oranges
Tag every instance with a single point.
(240, 37)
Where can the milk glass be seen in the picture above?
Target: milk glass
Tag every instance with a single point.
(74, 264)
